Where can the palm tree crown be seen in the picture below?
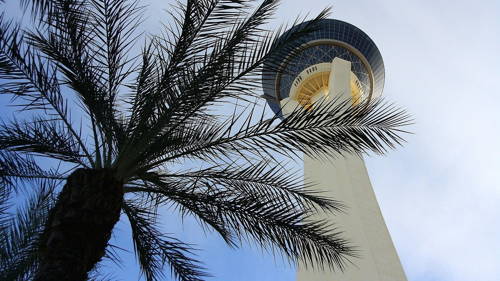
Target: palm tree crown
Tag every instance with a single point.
(145, 119)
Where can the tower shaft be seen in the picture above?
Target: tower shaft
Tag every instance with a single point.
(345, 178)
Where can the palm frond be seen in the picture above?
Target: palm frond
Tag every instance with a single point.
(232, 67)
(67, 42)
(265, 178)
(157, 191)
(19, 241)
(5, 205)
(114, 24)
(202, 24)
(275, 224)
(43, 137)
(201, 19)
(153, 248)
(333, 129)
(182, 104)
(32, 79)
(18, 171)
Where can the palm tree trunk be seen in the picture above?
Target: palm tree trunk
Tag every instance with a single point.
(79, 226)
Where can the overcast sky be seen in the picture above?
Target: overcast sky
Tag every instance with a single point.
(439, 193)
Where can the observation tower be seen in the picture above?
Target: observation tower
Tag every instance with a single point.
(338, 60)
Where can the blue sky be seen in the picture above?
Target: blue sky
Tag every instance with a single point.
(439, 193)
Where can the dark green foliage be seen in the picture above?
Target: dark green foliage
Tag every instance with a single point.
(19, 235)
(154, 249)
(147, 116)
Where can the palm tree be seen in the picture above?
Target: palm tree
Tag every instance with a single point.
(145, 120)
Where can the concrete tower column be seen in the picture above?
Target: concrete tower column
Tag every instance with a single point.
(345, 178)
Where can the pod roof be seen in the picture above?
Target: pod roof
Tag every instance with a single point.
(331, 38)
